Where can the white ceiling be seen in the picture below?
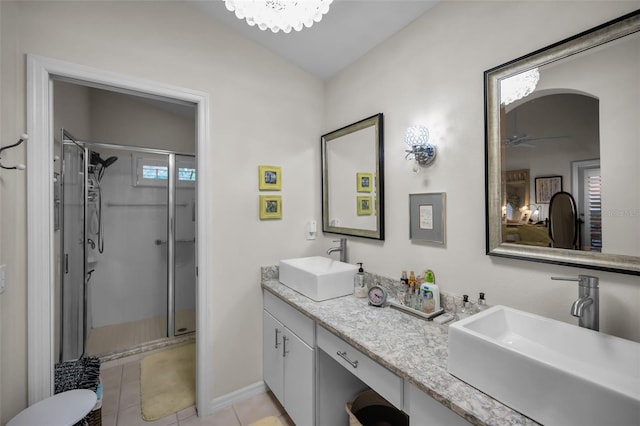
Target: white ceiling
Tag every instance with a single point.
(348, 31)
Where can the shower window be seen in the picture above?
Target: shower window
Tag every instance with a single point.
(153, 172)
(149, 171)
(186, 174)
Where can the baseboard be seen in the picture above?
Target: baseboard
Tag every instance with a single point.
(237, 396)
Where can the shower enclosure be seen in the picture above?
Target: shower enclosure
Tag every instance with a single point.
(126, 221)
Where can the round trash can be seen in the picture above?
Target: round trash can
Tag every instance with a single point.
(370, 409)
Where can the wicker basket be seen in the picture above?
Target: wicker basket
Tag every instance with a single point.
(95, 417)
(389, 415)
(83, 373)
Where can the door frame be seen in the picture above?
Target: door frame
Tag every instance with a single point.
(578, 170)
(40, 227)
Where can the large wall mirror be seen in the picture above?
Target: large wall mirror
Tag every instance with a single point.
(353, 181)
(568, 116)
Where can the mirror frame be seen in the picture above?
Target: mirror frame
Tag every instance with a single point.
(378, 233)
(495, 170)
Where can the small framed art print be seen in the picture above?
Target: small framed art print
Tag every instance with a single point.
(365, 205)
(270, 207)
(364, 182)
(427, 217)
(270, 178)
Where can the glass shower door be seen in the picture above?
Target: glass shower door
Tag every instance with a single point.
(185, 247)
(72, 241)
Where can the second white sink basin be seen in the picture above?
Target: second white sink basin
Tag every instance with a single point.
(553, 372)
(319, 278)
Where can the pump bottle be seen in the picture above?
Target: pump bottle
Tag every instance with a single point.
(359, 288)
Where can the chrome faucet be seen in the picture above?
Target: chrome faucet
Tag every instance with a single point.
(342, 249)
(587, 307)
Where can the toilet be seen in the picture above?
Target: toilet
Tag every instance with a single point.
(62, 409)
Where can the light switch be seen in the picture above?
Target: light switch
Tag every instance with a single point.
(312, 230)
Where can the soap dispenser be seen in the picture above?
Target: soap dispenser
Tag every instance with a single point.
(465, 310)
(359, 288)
(482, 303)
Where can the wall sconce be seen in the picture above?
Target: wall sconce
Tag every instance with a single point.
(23, 138)
(424, 153)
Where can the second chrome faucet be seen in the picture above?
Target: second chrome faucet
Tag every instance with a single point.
(342, 248)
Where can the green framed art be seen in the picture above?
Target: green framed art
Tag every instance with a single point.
(365, 205)
(270, 207)
(364, 182)
(269, 178)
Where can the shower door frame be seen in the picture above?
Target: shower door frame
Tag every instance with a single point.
(68, 137)
(40, 216)
(171, 219)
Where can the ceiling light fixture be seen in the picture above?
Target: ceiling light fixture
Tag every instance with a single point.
(279, 15)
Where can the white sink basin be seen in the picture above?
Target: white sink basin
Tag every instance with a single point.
(553, 372)
(319, 278)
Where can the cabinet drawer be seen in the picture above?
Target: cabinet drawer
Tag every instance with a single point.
(293, 319)
(383, 381)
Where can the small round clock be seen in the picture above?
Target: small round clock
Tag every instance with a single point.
(377, 295)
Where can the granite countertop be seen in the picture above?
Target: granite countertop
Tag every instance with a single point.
(412, 348)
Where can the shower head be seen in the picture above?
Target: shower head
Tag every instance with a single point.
(96, 159)
(109, 161)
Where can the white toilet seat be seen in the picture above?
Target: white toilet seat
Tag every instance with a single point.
(63, 409)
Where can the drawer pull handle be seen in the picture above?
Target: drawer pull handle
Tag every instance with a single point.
(284, 346)
(344, 356)
(277, 331)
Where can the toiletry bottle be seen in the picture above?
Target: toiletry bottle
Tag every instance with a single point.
(419, 300)
(429, 277)
(407, 297)
(403, 278)
(428, 305)
(482, 303)
(465, 311)
(436, 294)
(412, 279)
(359, 288)
(413, 297)
(430, 283)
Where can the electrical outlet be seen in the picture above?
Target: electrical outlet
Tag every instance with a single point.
(3, 281)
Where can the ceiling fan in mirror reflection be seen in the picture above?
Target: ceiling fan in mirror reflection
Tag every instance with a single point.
(523, 140)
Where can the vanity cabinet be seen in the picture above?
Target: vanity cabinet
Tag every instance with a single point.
(380, 379)
(288, 358)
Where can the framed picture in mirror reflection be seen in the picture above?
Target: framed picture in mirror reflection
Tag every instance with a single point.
(364, 182)
(546, 187)
(365, 205)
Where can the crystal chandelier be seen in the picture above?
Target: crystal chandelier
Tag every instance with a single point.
(518, 86)
(279, 14)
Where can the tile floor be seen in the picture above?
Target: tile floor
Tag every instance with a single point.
(118, 337)
(121, 404)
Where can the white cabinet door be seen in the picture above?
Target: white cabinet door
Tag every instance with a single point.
(272, 361)
(298, 379)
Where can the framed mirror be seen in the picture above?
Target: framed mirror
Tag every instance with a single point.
(353, 179)
(568, 115)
